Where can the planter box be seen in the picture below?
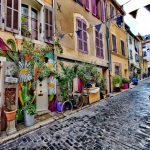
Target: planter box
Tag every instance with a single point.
(125, 85)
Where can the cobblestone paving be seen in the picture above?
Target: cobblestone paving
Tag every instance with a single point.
(118, 123)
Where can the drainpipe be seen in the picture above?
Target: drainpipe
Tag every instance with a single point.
(108, 49)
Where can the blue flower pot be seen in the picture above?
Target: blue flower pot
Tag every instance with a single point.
(59, 106)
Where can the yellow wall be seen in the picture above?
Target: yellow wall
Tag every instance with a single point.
(145, 65)
(118, 58)
(66, 23)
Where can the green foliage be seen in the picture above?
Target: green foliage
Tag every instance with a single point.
(135, 75)
(117, 80)
(125, 80)
(88, 72)
(65, 79)
(58, 46)
(29, 105)
(101, 83)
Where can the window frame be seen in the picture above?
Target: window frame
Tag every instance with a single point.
(52, 10)
(11, 29)
(82, 40)
(118, 72)
(113, 9)
(114, 48)
(37, 22)
(100, 45)
(122, 50)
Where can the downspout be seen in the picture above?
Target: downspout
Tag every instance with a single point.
(108, 49)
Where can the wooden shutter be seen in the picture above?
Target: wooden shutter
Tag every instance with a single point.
(114, 43)
(12, 16)
(49, 29)
(99, 44)
(82, 39)
(94, 7)
(87, 4)
(111, 11)
(79, 38)
(102, 8)
(122, 48)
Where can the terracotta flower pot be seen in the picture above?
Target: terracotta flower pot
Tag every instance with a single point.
(10, 115)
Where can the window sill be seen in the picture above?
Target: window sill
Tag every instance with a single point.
(84, 52)
(20, 37)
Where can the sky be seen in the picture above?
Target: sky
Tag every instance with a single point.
(142, 22)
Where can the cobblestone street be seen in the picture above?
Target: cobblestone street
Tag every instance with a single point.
(118, 123)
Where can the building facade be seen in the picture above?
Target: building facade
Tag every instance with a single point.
(84, 32)
(33, 20)
(146, 53)
(117, 39)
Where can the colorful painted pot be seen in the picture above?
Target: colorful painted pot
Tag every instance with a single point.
(59, 106)
(125, 85)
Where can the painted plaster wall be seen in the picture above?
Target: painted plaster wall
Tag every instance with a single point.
(147, 46)
(120, 33)
(66, 23)
(118, 57)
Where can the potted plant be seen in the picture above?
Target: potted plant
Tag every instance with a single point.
(117, 81)
(29, 111)
(125, 83)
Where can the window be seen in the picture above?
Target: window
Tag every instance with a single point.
(29, 23)
(111, 11)
(99, 44)
(12, 7)
(34, 24)
(144, 53)
(136, 57)
(48, 24)
(24, 19)
(114, 43)
(82, 38)
(117, 70)
(131, 56)
(130, 39)
(122, 48)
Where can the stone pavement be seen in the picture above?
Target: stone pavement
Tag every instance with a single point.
(121, 122)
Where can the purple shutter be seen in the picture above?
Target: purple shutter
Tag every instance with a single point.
(84, 39)
(79, 38)
(101, 45)
(94, 7)
(12, 17)
(87, 4)
(102, 7)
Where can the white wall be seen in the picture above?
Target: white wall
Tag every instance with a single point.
(147, 45)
